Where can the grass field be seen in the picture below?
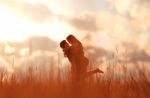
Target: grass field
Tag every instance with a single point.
(116, 82)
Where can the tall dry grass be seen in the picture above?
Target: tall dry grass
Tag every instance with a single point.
(116, 82)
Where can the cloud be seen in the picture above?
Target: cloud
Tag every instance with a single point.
(40, 43)
(86, 5)
(120, 6)
(95, 55)
(126, 21)
(28, 46)
(115, 26)
(84, 22)
(37, 12)
(134, 53)
(139, 55)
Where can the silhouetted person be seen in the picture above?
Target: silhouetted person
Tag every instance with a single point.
(76, 44)
(81, 62)
(75, 54)
(65, 47)
(73, 50)
(69, 53)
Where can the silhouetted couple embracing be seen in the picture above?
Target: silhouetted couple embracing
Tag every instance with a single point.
(73, 50)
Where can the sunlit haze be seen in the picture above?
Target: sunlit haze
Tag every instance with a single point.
(106, 25)
(20, 19)
(74, 48)
(16, 28)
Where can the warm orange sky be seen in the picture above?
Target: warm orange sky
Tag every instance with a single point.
(111, 25)
(109, 22)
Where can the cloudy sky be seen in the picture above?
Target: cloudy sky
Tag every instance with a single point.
(111, 25)
(107, 22)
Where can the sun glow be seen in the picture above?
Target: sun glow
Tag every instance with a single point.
(58, 30)
(17, 28)
(12, 27)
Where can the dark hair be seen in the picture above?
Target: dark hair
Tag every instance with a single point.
(72, 39)
(63, 44)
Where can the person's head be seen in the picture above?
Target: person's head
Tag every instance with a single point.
(64, 44)
(71, 39)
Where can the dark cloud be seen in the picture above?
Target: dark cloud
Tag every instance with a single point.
(144, 1)
(139, 55)
(34, 43)
(37, 12)
(135, 54)
(84, 22)
(95, 54)
(40, 43)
